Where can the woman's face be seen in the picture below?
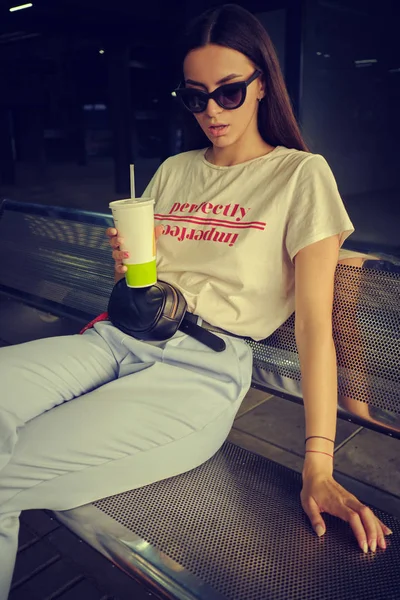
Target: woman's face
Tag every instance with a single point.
(206, 69)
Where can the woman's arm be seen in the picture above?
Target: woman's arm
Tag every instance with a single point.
(314, 286)
(315, 273)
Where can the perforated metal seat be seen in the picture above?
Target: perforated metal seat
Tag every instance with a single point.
(233, 529)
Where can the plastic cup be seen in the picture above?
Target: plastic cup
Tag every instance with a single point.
(134, 220)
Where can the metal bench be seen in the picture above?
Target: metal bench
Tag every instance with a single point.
(232, 528)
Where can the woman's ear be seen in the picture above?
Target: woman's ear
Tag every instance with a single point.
(261, 87)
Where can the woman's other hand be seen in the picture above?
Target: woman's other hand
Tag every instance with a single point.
(321, 493)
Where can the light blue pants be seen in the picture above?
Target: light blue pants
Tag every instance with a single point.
(88, 416)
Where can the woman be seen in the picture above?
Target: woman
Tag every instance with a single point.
(246, 227)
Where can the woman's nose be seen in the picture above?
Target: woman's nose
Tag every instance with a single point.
(213, 108)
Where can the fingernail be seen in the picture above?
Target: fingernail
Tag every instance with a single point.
(364, 547)
(390, 532)
(373, 546)
(319, 530)
(126, 254)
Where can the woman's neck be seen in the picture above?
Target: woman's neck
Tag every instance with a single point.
(239, 152)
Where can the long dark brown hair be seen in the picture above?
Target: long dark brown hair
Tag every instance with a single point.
(234, 27)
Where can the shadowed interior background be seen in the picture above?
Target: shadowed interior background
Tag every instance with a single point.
(86, 89)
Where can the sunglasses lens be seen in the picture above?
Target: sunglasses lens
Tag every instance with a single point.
(231, 96)
(193, 100)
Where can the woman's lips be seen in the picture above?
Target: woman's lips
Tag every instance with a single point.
(218, 130)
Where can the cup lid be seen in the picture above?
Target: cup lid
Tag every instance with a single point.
(131, 202)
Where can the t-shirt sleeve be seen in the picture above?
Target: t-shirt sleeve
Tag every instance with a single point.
(317, 210)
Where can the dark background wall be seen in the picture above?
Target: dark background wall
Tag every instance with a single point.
(351, 91)
(85, 89)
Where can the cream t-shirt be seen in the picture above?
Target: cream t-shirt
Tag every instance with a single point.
(231, 233)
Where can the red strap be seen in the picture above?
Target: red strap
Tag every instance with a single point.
(102, 317)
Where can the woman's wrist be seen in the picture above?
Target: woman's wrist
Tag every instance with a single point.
(317, 463)
(318, 457)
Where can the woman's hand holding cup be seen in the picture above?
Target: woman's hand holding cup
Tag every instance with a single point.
(118, 255)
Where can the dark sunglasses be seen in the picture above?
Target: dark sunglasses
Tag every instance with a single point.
(228, 96)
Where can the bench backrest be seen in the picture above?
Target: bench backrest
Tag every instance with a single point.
(56, 259)
(59, 260)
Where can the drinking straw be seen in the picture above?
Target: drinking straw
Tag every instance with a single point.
(132, 175)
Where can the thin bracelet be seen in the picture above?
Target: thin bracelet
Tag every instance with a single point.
(318, 452)
(319, 436)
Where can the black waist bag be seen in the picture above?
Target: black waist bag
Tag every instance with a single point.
(155, 313)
